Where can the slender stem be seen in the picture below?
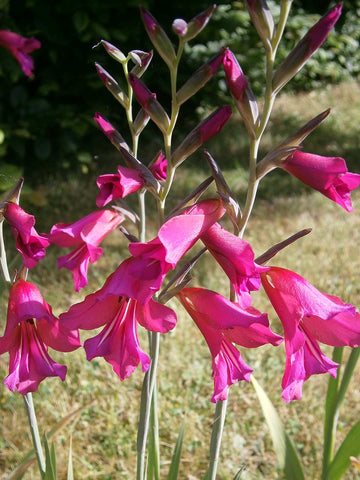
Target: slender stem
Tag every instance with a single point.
(331, 414)
(30, 410)
(216, 437)
(145, 405)
(3, 261)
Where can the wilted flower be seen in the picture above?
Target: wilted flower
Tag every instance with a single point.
(85, 234)
(20, 47)
(30, 329)
(223, 323)
(308, 316)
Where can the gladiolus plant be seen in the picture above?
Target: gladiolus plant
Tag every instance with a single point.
(155, 283)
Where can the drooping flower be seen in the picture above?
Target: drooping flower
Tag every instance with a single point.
(328, 175)
(29, 243)
(308, 316)
(118, 342)
(85, 234)
(20, 47)
(222, 323)
(236, 257)
(30, 329)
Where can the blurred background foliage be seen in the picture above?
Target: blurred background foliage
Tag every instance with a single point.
(46, 123)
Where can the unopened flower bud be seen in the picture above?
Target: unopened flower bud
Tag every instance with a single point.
(203, 132)
(179, 27)
(114, 52)
(197, 23)
(305, 48)
(241, 92)
(112, 85)
(140, 122)
(149, 103)
(262, 19)
(112, 134)
(158, 38)
(199, 79)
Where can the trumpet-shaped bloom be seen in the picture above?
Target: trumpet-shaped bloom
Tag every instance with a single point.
(236, 257)
(328, 175)
(20, 47)
(118, 342)
(113, 186)
(308, 316)
(223, 322)
(30, 329)
(85, 234)
(126, 181)
(29, 243)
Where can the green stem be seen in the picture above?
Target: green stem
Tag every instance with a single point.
(3, 261)
(330, 421)
(145, 405)
(30, 410)
(216, 437)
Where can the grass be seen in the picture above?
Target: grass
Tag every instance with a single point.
(104, 433)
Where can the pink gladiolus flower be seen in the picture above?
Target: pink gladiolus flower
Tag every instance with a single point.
(308, 316)
(236, 257)
(113, 186)
(85, 234)
(118, 342)
(223, 322)
(328, 175)
(141, 275)
(20, 47)
(30, 329)
(29, 243)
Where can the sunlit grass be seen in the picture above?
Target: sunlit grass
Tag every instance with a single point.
(104, 433)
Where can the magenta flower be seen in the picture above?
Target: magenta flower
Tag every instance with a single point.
(159, 166)
(85, 234)
(127, 180)
(118, 342)
(30, 329)
(141, 275)
(308, 316)
(223, 323)
(20, 47)
(29, 243)
(328, 175)
(236, 257)
(113, 186)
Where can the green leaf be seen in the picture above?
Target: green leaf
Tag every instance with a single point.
(50, 461)
(30, 457)
(175, 461)
(70, 472)
(287, 455)
(341, 461)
